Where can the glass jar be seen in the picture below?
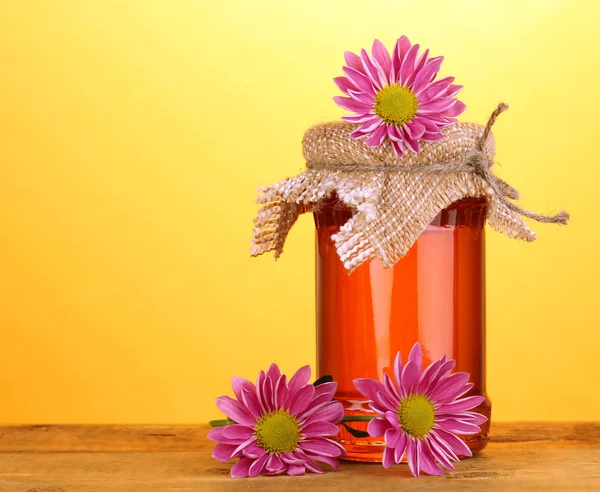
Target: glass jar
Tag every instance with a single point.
(434, 295)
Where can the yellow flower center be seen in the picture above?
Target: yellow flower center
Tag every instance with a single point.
(277, 432)
(416, 415)
(396, 104)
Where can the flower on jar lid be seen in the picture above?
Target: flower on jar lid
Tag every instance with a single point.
(279, 427)
(395, 96)
(420, 415)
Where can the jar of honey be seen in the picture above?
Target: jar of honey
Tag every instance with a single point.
(434, 295)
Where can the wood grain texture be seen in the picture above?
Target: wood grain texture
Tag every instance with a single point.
(159, 458)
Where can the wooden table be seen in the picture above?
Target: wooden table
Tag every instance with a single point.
(149, 458)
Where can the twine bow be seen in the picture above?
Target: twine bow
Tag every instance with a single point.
(502, 189)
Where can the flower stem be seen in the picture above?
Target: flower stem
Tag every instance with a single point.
(358, 418)
(220, 423)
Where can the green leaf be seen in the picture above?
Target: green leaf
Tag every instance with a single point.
(323, 379)
(355, 432)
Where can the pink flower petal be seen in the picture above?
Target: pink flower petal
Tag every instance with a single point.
(360, 118)
(392, 437)
(439, 441)
(416, 353)
(382, 58)
(331, 412)
(299, 379)
(413, 452)
(448, 388)
(468, 387)
(440, 453)
(257, 466)
(418, 67)
(308, 462)
(274, 464)
(400, 49)
(439, 375)
(223, 452)
(408, 64)
(460, 405)
(321, 429)
(315, 405)
(415, 131)
(332, 462)
(273, 372)
(473, 417)
(457, 445)
(386, 403)
(324, 447)
(359, 134)
(430, 371)
(240, 469)
(238, 432)
(398, 148)
(217, 436)
(360, 80)
(344, 84)
(428, 463)
(299, 401)
(434, 90)
(436, 107)
(401, 448)
(238, 384)
(388, 457)
(457, 109)
(250, 401)
(326, 388)
(371, 71)
(377, 137)
(398, 359)
(453, 90)
(280, 394)
(460, 427)
(371, 125)
(427, 73)
(392, 418)
(253, 451)
(260, 381)
(378, 426)
(291, 460)
(362, 97)
(369, 387)
(235, 411)
(267, 391)
(353, 61)
(411, 143)
(391, 390)
(352, 105)
(296, 470)
(241, 449)
(432, 137)
(409, 376)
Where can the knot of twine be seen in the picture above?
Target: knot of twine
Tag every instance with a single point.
(474, 163)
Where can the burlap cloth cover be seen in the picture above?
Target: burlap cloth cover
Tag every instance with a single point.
(394, 198)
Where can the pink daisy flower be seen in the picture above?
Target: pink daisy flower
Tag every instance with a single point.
(396, 96)
(420, 414)
(280, 427)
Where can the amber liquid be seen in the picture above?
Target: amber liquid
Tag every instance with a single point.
(434, 295)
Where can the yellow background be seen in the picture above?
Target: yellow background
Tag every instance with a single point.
(133, 135)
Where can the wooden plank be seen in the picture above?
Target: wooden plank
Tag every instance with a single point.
(177, 458)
